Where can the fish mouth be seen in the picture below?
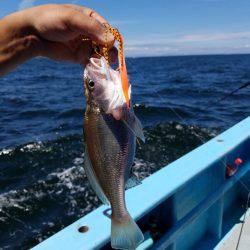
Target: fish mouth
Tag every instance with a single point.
(99, 67)
(95, 63)
(94, 69)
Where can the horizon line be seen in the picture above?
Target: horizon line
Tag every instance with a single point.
(183, 55)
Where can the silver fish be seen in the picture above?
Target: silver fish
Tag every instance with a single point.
(110, 131)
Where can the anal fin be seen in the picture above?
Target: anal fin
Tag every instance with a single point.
(93, 180)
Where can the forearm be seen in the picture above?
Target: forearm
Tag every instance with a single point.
(17, 41)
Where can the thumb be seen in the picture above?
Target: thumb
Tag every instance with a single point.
(66, 52)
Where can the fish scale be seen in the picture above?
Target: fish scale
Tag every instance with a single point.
(111, 147)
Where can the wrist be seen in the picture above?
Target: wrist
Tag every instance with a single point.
(22, 25)
(18, 41)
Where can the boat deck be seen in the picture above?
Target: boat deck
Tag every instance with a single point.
(239, 235)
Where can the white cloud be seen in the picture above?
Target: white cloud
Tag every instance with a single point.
(216, 37)
(26, 4)
(150, 49)
(186, 44)
(200, 38)
(185, 50)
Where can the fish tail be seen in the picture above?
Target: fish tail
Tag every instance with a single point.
(125, 234)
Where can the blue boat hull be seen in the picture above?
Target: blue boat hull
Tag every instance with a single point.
(190, 204)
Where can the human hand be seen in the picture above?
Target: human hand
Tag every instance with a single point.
(55, 31)
(62, 28)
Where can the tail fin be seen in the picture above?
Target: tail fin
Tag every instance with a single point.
(125, 234)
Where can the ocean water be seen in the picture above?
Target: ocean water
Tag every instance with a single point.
(43, 187)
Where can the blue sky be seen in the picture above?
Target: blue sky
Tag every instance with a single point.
(170, 27)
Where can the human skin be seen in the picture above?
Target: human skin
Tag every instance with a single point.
(55, 31)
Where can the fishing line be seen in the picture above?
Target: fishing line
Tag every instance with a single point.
(245, 186)
(172, 109)
(200, 137)
(244, 217)
(196, 113)
(234, 91)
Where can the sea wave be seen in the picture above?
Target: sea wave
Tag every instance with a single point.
(44, 187)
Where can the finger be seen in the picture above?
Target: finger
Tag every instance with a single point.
(74, 43)
(62, 52)
(113, 53)
(95, 15)
(89, 12)
(85, 24)
(83, 53)
(77, 42)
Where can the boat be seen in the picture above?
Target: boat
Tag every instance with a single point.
(195, 202)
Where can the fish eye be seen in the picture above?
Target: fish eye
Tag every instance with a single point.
(91, 84)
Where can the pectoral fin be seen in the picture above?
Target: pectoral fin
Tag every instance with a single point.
(134, 124)
(93, 180)
(133, 181)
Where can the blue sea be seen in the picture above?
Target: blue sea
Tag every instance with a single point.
(43, 187)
